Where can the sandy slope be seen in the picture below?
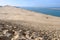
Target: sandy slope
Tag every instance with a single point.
(36, 20)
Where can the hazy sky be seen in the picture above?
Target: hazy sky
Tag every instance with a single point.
(31, 3)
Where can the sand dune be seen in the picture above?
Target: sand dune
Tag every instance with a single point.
(21, 24)
(38, 20)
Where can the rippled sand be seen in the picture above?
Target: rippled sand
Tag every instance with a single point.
(11, 31)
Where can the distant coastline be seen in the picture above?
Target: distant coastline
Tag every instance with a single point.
(55, 8)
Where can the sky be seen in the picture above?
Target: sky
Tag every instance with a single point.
(31, 3)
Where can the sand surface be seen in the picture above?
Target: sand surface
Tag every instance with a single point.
(37, 20)
(21, 24)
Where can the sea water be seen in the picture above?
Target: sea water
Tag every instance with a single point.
(48, 11)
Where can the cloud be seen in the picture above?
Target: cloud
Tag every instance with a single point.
(2, 0)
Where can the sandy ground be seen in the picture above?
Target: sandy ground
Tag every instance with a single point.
(20, 24)
(38, 20)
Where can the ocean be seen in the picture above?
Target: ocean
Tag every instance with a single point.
(48, 11)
